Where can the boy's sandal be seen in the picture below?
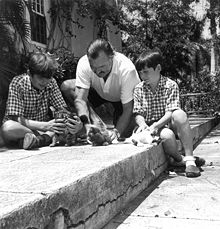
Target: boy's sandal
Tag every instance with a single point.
(29, 141)
(192, 171)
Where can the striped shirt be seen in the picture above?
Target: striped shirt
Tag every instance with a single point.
(25, 101)
(153, 106)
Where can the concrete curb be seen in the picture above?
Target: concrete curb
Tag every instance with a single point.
(93, 200)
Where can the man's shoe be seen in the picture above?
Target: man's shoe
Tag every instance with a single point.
(192, 171)
(199, 161)
(30, 141)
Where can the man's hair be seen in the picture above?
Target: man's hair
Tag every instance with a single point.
(97, 46)
(42, 64)
(148, 58)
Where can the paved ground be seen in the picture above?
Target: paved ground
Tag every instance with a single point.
(35, 183)
(175, 201)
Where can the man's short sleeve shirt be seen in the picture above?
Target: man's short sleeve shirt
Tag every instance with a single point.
(120, 84)
(25, 101)
(153, 106)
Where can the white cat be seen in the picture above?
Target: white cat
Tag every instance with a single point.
(142, 138)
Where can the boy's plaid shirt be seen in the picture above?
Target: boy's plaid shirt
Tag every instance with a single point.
(25, 101)
(153, 106)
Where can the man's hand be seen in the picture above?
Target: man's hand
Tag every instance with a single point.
(74, 125)
(114, 134)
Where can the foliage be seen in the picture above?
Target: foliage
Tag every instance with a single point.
(62, 17)
(203, 95)
(168, 25)
(98, 10)
(213, 14)
(13, 29)
(67, 64)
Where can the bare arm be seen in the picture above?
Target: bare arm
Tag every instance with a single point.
(81, 105)
(161, 122)
(140, 121)
(57, 126)
(125, 118)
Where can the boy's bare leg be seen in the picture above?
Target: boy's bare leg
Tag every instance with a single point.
(13, 131)
(170, 144)
(180, 125)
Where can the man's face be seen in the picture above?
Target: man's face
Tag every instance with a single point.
(102, 65)
(39, 82)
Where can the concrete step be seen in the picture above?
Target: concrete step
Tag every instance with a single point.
(80, 186)
(174, 201)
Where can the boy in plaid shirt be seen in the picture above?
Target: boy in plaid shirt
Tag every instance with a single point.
(157, 107)
(27, 120)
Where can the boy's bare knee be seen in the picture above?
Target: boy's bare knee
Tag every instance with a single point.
(7, 126)
(179, 116)
(167, 133)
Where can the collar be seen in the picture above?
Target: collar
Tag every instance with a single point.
(30, 87)
(161, 84)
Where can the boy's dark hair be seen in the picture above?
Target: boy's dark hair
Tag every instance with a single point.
(98, 45)
(42, 64)
(148, 58)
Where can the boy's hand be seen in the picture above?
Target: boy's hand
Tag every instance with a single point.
(142, 128)
(56, 125)
(153, 129)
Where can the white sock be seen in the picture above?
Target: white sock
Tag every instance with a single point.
(190, 160)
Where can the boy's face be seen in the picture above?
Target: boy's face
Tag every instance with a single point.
(150, 74)
(102, 65)
(39, 82)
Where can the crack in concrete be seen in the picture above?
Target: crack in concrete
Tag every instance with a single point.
(82, 222)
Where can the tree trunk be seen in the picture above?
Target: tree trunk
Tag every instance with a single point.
(213, 58)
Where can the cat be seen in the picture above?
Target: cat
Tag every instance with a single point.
(142, 138)
(96, 137)
(66, 138)
(98, 134)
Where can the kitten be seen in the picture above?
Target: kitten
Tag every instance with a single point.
(143, 137)
(96, 137)
(66, 138)
(98, 134)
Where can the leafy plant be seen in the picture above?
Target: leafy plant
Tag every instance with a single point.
(67, 64)
(204, 94)
(167, 25)
(14, 30)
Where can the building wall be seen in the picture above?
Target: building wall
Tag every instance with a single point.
(81, 36)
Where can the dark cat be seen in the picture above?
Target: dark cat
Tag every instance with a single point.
(66, 138)
(98, 137)
(98, 134)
